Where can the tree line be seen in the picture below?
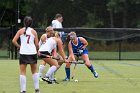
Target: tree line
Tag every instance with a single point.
(76, 13)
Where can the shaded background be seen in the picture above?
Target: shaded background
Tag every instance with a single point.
(111, 38)
(76, 13)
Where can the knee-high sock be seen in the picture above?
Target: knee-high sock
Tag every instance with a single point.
(41, 69)
(22, 83)
(51, 70)
(57, 69)
(67, 70)
(91, 68)
(36, 80)
(52, 76)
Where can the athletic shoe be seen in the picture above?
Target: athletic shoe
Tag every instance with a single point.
(47, 79)
(66, 79)
(95, 74)
(54, 82)
(40, 79)
(37, 91)
(23, 92)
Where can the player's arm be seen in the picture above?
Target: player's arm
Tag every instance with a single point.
(84, 41)
(60, 49)
(71, 55)
(15, 39)
(42, 40)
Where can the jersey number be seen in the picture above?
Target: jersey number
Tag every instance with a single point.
(28, 38)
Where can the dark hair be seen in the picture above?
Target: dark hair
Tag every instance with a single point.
(57, 16)
(27, 22)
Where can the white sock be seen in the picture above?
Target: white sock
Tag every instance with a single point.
(22, 83)
(55, 72)
(57, 69)
(51, 70)
(41, 69)
(36, 80)
(52, 76)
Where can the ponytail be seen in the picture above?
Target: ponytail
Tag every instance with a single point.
(25, 30)
(27, 23)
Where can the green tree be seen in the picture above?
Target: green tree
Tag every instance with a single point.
(123, 8)
(76, 13)
(6, 12)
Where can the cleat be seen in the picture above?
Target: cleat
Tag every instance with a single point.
(23, 92)
(37, 91)
(54, 82)
(95, 74)
(66, 79)
(47, 80)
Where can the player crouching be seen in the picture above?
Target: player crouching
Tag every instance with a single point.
(77, 47)
(46, 49)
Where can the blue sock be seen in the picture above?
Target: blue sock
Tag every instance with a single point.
(67, 72)
(91, 68)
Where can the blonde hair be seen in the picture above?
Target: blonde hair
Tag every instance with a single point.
(56, 34)
(72, 33)
(49, 28)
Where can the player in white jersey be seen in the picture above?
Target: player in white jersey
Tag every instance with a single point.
(28, 53)
(57, 23)
(49, 33)
(47, 49)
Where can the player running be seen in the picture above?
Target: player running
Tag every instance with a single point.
(28, 53)
(77, 47)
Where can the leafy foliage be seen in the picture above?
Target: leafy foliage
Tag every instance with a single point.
(76, 13)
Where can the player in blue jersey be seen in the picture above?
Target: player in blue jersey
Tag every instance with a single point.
(77, 47)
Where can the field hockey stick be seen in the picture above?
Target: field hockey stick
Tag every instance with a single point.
(48, 56)
(76, 62)
(72, 62)
(73, 72)
(61, 61)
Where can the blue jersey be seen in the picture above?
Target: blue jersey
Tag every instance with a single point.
(78, 47)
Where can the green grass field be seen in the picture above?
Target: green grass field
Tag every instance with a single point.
(115, 77)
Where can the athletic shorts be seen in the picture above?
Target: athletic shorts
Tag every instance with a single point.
(45, 53)
(28, 59)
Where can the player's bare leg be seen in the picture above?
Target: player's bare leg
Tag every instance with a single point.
(89, 65)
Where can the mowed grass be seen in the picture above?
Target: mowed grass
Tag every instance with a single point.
(114, 77)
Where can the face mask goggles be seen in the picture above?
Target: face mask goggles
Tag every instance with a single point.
(72, 37)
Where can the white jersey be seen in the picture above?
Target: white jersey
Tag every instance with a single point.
(49, 45)
(57, 24)
(27, 43)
